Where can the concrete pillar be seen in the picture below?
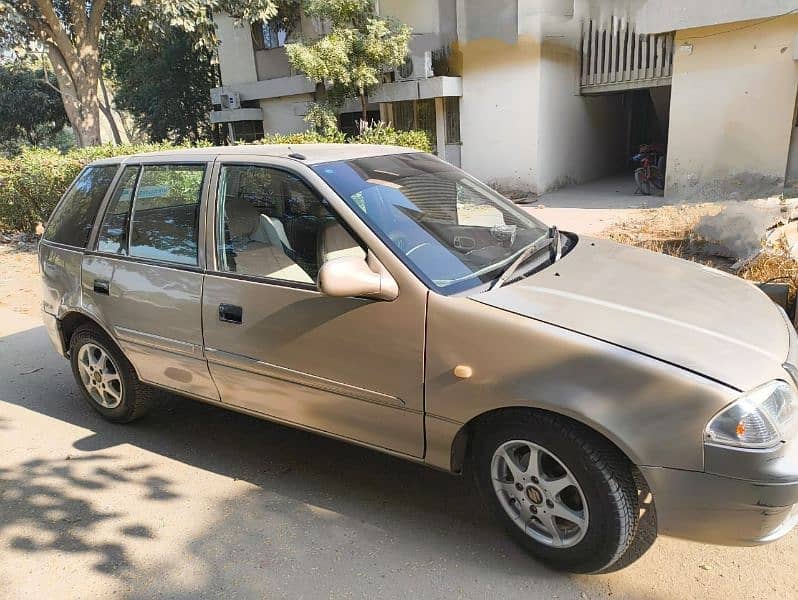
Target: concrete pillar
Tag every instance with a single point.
(236, 53)
(440, 127)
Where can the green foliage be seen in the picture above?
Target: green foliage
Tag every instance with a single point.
(31, 111)
(71, 32)
(32, 183)
(379, 133)
(359, 48)
(307, 137)
(322, 116)
(163, 82)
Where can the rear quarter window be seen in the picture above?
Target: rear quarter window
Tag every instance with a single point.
(73, 218)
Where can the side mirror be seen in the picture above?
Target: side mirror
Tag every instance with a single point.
(353, 276)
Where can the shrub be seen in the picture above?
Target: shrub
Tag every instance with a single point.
(306, 137)
(32, 182)
(380, 133)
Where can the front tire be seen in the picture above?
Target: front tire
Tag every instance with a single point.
(560, 490)
(106, 378)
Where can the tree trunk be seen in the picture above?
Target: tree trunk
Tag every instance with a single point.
(364, 108)
(81, 101)
(108, 111)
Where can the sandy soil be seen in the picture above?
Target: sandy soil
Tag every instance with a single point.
(20, 288)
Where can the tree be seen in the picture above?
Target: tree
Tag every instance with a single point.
(70, 32)
(163, 82)
(30, 105)
(351, 59)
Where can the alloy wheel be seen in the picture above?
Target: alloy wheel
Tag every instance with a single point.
(539, 493)
(100, 376)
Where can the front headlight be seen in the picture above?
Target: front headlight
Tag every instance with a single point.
(761, 418)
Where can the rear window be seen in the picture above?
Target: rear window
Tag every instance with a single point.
(72, 220)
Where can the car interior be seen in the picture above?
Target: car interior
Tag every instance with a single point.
(275, 226)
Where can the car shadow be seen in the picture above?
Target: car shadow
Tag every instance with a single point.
(308, 496)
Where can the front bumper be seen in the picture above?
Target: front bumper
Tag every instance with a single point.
(717, 509)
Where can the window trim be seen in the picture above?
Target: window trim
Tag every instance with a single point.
(212, 263)
(201, 217)
(100, 208)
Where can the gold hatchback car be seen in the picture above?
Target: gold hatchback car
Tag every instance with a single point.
(597, 394)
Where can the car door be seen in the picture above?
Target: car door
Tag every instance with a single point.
(350, 367)
(143, 280)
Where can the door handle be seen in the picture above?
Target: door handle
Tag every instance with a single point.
(229, 313)
(101, 286)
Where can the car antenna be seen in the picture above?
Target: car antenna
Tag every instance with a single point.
(296, 155)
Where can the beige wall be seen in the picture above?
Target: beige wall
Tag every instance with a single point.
(286, 114)
(421, 16)
(580, 138)
(236, 55)
(272, 63)
(732, 107)
(498, 111)
(656, 16)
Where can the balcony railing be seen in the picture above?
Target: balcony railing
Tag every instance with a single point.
(614, 57)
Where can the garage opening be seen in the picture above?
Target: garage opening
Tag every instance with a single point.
(632, 73)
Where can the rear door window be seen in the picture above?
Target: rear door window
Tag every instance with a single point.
(73, 219)
(165, 220)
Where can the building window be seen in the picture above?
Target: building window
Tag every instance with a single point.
(248, 131)
(425, 120)
(403, 115)
(416, 114)
(453, 120)
(274, 33)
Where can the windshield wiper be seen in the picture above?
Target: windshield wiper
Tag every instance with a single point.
(554, 234)
(533, 248)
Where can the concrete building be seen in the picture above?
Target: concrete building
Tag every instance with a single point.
(532, 95)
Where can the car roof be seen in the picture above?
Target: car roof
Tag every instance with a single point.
(310, 153)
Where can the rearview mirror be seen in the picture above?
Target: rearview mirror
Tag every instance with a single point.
(353, 276)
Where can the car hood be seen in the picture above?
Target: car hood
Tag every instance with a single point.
(677, 311)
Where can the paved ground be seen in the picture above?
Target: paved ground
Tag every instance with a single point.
(592, 208)
(194, 501)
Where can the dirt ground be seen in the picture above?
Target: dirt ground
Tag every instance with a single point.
(20, 287)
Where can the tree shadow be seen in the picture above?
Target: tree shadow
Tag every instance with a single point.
(319, 517)
(48, 498)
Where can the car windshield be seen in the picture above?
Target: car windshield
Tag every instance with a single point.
(451, 230)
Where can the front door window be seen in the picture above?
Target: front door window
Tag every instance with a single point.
(272, 225)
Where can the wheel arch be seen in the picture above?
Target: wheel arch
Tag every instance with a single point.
(463, 439)
(69, 322)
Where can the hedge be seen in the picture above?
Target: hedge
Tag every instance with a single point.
(32, 182)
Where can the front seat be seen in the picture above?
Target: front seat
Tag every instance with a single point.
(258, 245)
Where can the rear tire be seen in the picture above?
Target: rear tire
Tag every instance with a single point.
(579, 512)
(106, 378)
